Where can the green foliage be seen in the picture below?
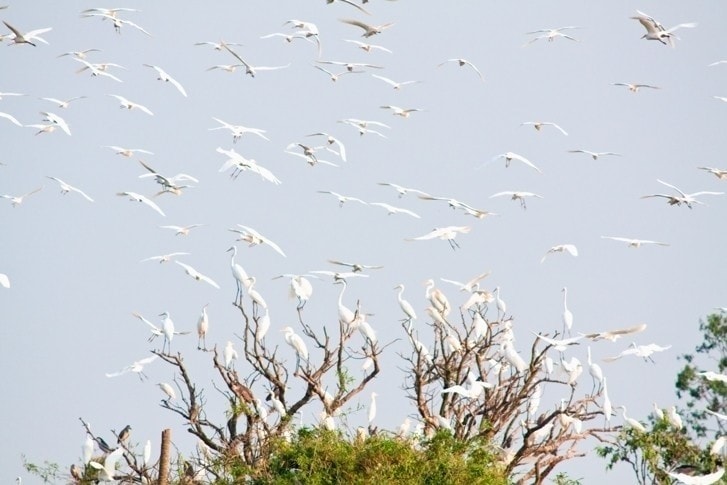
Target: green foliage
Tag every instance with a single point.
(318, 456)
(48, 472)
(564, 479)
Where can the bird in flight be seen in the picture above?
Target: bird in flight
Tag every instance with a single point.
(355, 267)
(445, 233)
(656, 31)
(717, 172)
(17, 37)
(595, 155)
(144, 200)
(16, 200)
(253, 238)
(634, 243)
(65, 188)
(538, 125)
(560, 248)
(369, 30)
(510, 156)
(163, 76)
(634, 87)
(682, 198)
(463, 62)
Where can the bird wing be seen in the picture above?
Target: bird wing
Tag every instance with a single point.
(525, 161)
(11, 118)
(151, 204)
(558, 127)
(672, 187)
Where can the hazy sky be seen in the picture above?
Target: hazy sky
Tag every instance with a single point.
(75, 269)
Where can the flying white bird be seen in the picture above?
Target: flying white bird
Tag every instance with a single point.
(164, 258)
(342, 199)
(241, 164)
(182, 230)
(369, 30)
(403, 190)
(403, 112)
(251, 70)
(197, 275)
(510, 156)
(163, 76)
(634, 243)
(17, 37)
(682, 198)
(334, 76)
(127, 152)
(253, 238)
(366, 47)
(445, 233)
(550, 34)
(595, 155)
(65, 188)
(560, 248)
(126, 104)
(331, 140)
(229, 354)
(300, 287)
(463, 62)
(517, 195)
(644, 351)
(16, 200)
(656, 31)
(238, 130)
(98, 69)
(471, 285)
(634, 87)
(79, 54)
(140, 198)
(717, 172)
(559, 345)
(395, 210)
(11, 118)
(137, 367)
(218, 46)
(538, 125)
(108, 469)
(613, 335)
(356, 267)
(61, 103)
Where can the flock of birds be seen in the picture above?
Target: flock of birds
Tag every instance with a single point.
(312, 150)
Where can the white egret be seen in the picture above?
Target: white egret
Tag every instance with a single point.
(255, 296)
(395, 210)
(65, 188)
(656, 31)
(11, 118)
(512, 357)
(717, 447)
(444, 233)
(634, 87)
(394, 84)
(197, 275)
(673, 417)
(182, 230)
(644, 351)
(363, 126)
(229, 354)
(238, 130)
(128, 152)
(567, 314)
(163, 76)
(595, 155)
(632, 422)
(403, 112)
(559, 345)
(168, 390)
(136, 367)
(253, 238)
(471, 285)
(607, 406)
(403, 190)
(372, 408)
(369, 30)
(517, 195)
(713, 376)
(510, 156)
(167, 330)
(367, 47)
(337, 276)
(98, 69)
(551, 34)
(573, 367)
(658, 412)
(560, 248)
(345, 315)
(634, 243)
(18, 37)
(595, 371)
(263, 325)
(155, 331)
(164, 258)
(87, 449)
(241, 164)
(613, 335)
(144, 200)
(56, 121)
(297, 343)
(16, 200)
(717, 172)
(538, 125)
(108, 469)
(126, 104)
(334, 76)
(437, 298)
(463, 62)
(331, 140)
(707, 479)
(682, 198)
(405, 305)
(203, 325)
(300, 287)
(342, 199)
(146, 455)
(251, 70)
(356, 267)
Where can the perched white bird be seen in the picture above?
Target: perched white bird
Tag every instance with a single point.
(263, 325)
(146, 454)
(632, 422)
(300, 287)
(673, 417)
(203, 325)
(372, 408)
(65, 188)
(168, 390)
(405, 305)
(144, 200)
(560, 248)
(595, 155)
(108, 469)
(567, 314)
(87, 449)
(229, 354)
(656, 31)
(255, 296)
(445, 233)
(163, 76)
(606, 406)
(634, 243)
(297, 343)
(512, 357)
(713, 376)
(126, 104)
(156, 331)
(254, 238)
(682, 198)
(197, 275)
(137, 367)
(463, 62)
(595, 371)
(239, 273)
(510, 156)
(538, 125)
(644, 351)
(16, 200)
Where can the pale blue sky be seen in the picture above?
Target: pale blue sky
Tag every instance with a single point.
(74, 265)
